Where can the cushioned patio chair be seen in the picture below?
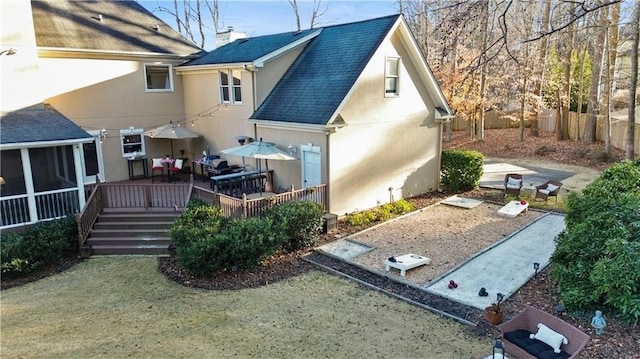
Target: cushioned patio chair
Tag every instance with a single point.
(513, 184)
(176, 169)
(525, 337)
(548, 189)
(157, 165)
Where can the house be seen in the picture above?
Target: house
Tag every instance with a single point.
(81, 80)
(356, 105)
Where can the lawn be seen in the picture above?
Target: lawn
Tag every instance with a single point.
(117, 307)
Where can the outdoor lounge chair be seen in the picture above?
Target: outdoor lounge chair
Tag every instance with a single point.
(548, 189)
(516, 336)
(513, 184)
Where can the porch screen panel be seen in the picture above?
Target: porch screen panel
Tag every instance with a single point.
(11, 172)
(52, 168)
(90, 158)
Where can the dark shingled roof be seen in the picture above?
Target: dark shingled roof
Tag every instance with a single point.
(322, 75)
(126, 26)
(38, 125)
(249, 49)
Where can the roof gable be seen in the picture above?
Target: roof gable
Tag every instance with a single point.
(324, 72)
(114, 26)
(38, 125)
(250, 49)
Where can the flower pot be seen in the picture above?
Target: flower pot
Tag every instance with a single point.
(85, 251)
(493, 314)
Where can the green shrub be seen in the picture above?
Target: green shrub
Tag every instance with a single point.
(461, 170)
(199, 220)
(361, 218)
(401, 207)
(596, 259)
(301, 220)
(41, 244)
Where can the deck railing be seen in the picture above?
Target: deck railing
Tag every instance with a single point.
(14, 210)
(145, 195)
(48, 205)
(233, 207)
(89, 214)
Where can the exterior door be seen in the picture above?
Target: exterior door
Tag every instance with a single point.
(311, 165)
(92, 159)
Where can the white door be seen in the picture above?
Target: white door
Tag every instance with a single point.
(92, 160)
(311, 165)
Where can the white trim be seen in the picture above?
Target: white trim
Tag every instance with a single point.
(259, 62)
(396, 93)
(86, 53)
(215, 67)
(131, 132)
(28, 183)
(39, 144)
(289, 126)
(169, 68)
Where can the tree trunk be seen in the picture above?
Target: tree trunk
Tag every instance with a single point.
(483, 69)
(593, 105)
(542, 55)
(563, 132)
(633, 83)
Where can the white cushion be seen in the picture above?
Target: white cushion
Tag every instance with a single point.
(551, 187)
(513, 183)
(157, 162)
(549, 337)
(545, 191)
(178, 163)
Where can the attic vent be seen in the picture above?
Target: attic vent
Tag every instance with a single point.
(297, 33)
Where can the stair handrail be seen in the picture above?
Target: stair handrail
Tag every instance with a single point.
(89, 214)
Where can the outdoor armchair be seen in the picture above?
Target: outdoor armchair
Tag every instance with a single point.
(513, 184)
(548, 189)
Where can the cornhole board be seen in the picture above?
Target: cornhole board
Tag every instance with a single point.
(406, 262)
(513, 209)
(462, 202)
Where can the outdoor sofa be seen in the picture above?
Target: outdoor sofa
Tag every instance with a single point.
(516, 335)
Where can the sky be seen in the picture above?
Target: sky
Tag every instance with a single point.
(265, 17)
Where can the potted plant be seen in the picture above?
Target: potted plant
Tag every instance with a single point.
(494, 312)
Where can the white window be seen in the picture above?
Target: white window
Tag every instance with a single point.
(158, 78)
(392, 77)
(132, 142)
(230, 86)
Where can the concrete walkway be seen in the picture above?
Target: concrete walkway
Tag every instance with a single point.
(503, 267)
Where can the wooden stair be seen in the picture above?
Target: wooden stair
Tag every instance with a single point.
(127, 231)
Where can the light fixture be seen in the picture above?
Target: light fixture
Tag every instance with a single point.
(10, 51)
(292, 149)
(103, 134)
(559, 309)
(536, 266)
(242, 139)
(498, 349)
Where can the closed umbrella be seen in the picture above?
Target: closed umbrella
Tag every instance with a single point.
(171, 132)
(260, 150)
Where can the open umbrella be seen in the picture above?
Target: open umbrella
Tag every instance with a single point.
(171, 132)
(260, 150)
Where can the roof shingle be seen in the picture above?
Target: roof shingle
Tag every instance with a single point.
(322, 75)
(120, 26)
(38, 125)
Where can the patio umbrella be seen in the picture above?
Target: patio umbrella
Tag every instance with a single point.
(171, 132)
(260, 150)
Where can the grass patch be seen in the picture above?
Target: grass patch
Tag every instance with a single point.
(121, 306)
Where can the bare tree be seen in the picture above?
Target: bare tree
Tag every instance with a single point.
(316, 12)
(541, 63)
(597, 53)
(633, 83)
(192, 11)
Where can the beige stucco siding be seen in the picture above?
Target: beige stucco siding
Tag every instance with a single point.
(388, 143)
(202, 97)
(289, 172)
(111, 94)
(268, 76)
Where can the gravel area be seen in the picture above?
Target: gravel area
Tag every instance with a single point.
(447, 234)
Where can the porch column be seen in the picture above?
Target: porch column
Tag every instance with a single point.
(77, 161)
(28, 182)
